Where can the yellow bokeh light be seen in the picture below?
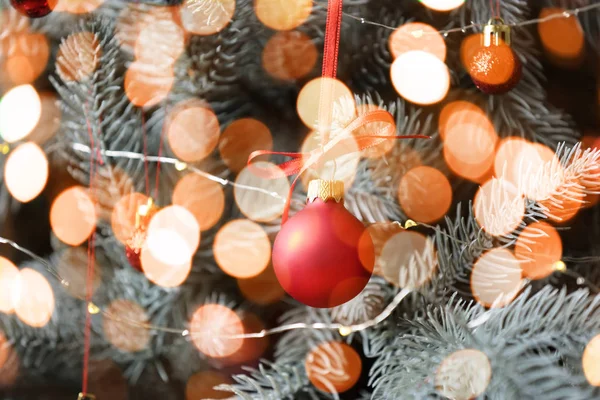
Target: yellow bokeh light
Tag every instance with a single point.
(122, 328)
(496, 278)
(463, 375)
(283, 15)
(8, 275)
(213, 329)
(202, 197)
(442, 5)
(499, 207)
(591, 361)
(310, 105)
(192, 132)
(242, 249)
(73, 216)
(207, 17)
(33, 298)
(258, 204)
(420, 77)
(26, 172)
(173, 235)
(417, 36)
(20, 111)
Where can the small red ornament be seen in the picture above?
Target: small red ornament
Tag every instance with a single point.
(323, 256)
(34, 8)
(495, 68)
(135, 244)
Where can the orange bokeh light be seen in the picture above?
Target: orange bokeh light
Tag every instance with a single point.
(8, 275)
(202, 197)
(173, 235)
(311, 106)
(283, 15)
(133, 18)
(590, 361)
(160, 43)
(469, 47)
(242, 249)
(420, 77)
(73, 216)
(212, 327)
(417, 36)
(407, 259)
(123, 215)
(240, 139)
(26, 172)
(333, 367)
(463, 113)
(252, 349)
(263, 289)
(9, 363)
(377, 129)
(78, 56)
(442, 5)
(207, 17)
(193, 132)
(78, 6)
(564, 205)
(147, 84)
(165, 274)
(499, 208)
(425, 194)
(538, 248)
(201, 386)
(496, 278)
(72, 267)
(507, 153)
(289, 55)
(33, 298)
(464, 374)
(122, 320)
(380, 233)
(258, 205)
(562, 38)
(25, 56)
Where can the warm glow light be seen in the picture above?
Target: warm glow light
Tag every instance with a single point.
(123, 215)
(8, 275)
(340, 163)
(212, 327)
(591, 361)
(377, 129)
(289, 55)
(262, 289)
(251, 350)
(147, 84)
(380, 233)
(506, 163)
(173, 235)
(72, 216)
(242, 248)
(258, 205)
(207, 17)
(283, 15)
(463, 113)
(496, 278)
(26, 172)
(25, 56)
(78, 56)
(72, 267)
(499, 208)
(201, 386)
(133, 18)
(562, 38)
(20, 111)
(9, 363)
(193, 132)
(78, 6)
(333, 367)
(538, 180)
(33, 298)
(122, 328)
(417, 36)
(240, 139)
(538, 248)
(425, 194)
(469, 47)
(309, 101)
(442, 5)
(202, 197)
(166, 274)
(160, 43)
(564, 204)
(463, 375)
(407, 259)
(420, 77)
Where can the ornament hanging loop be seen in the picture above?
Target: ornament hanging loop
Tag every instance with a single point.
(496, 32)
(87, 396)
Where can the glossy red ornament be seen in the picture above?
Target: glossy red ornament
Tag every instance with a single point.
(34, 8)
(323, 256)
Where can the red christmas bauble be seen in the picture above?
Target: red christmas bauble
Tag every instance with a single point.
(323, 256)
(495, 69)
(34, 8)
(133, 249)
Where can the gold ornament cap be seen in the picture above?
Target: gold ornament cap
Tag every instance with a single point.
(87, 396)
(325, 190)
(496, 32)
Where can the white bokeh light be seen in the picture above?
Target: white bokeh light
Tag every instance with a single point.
(20, 111)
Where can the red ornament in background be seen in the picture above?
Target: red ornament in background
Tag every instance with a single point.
(323, 256)
(133, 249)
(34, 8)
(495, 68)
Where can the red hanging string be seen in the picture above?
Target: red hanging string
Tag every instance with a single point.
(495, 10)
(146, 164)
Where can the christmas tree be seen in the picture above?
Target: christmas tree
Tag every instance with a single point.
(443, 239)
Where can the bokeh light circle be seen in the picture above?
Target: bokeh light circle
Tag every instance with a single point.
(173, 235)
(193, 132)
(166, 274)
(124, 213)
(20, 111)
(309, 101)
(242, 249)
(202, 197)
(25, 56)
(147, 84)
(425, 194)
(33, 298)
(591, 361)
(538, 248)
(289, 55)
(212, 328)
(283, 15)
(160, 43)
(263, 289)
(26, 172)
(496, 278)
(252, 349)
(417, 36)
(333, 367)
(240, 139)
(207, 17)
(420, 77)
(442, 5)
(73, 216)
(463, 375)
(122, 320)
(78, 6)
(562, 38)
(499, 207)
(8, 279)
(72, 267)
